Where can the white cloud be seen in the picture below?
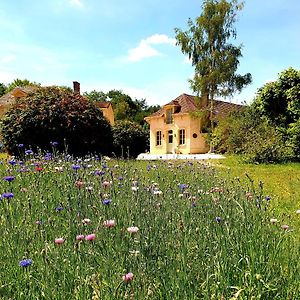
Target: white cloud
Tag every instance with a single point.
(145, 49)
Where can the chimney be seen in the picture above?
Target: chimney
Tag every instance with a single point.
(76, 87)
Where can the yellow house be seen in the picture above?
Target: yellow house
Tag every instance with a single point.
(107, 111)
(174, 128)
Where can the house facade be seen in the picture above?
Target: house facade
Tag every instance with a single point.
(175, 129)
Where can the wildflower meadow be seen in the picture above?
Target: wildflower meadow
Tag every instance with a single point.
(95, 228)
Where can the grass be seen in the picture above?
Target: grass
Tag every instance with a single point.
(280, 181)
(199, 236)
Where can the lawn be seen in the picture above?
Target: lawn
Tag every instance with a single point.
(103, 229)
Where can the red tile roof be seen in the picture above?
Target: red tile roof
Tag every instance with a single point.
(187, 104)
(103, 104)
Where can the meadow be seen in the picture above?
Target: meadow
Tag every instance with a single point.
(113, 229)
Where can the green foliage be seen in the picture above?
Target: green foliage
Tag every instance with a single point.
(130, 139)
(20, 83)
(280, 100)
(56, 114)
(2, 89)
(95, 96)
(253, 136)
(207, 43)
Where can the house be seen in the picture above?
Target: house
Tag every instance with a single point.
(175, 127)
(19, 92)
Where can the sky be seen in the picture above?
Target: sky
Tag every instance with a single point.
(130, 45)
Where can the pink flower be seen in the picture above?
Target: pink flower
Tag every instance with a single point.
(90, 237)
(59, 241)
(79, 237)
(128, 277)
(105, 183)
(133, 229)
(285, 227)
(109, 223)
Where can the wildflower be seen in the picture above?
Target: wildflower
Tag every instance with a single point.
(273, 221)
(86, 221)
(285, 227)
(127, 277)
(9, 178)
(90, 237)
(20, 145)
(28, 152)
(79, 184)
(109, 223)
(59, 208)
(59, 241)
(135, 188)
(183, 186)
(218, 219)
(24, 190)
(194, 204)
(25, 263)
(133, 229)
(157, 192)
(59, 169)
(75, 167)
(54, 144)
(106, 201)
(38, 169)
(7, 195)
(99, 173)
(38, 222)
(298, 211)
(79, 237)
(105, 184)
(12, 162)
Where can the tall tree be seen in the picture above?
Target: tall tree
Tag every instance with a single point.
(215, 59)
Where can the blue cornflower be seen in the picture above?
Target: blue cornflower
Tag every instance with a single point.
(9, 178)
(183, 186)
(28, 152)
(268, 198)
(7, 195)
(54, 144)
(100, 173)
(25, 263)
(106, 201)
(59, 208)
(20, 145)
(12, 162)
(75, 167)
(218, 219)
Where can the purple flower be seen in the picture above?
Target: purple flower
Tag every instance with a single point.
(54, 144)
(28, 152)
(12, 162)
(218, 219)
(25, 263)
(75, 167)
(183, 186)
(20, 145)
(59, 208)
(106, 201)
(7, 195)
(100, 173)
(9, 178)
(268, 198)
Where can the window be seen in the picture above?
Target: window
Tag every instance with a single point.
(169, 119)
(170, 136)
(181, 136)
(158, 138)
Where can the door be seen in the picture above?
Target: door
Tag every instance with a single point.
(170, 144)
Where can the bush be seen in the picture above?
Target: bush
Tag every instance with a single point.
(130, 139)
(56, 114)
(253, 136)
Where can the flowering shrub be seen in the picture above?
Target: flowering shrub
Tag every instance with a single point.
(58, 115)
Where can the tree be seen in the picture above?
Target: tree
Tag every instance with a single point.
(20, 83)
(95, 96)
(2, 89)
(280, 100)
(129, 139)
(56, 114)
(215, 59)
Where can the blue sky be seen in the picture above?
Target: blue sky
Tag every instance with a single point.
(129, 45)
